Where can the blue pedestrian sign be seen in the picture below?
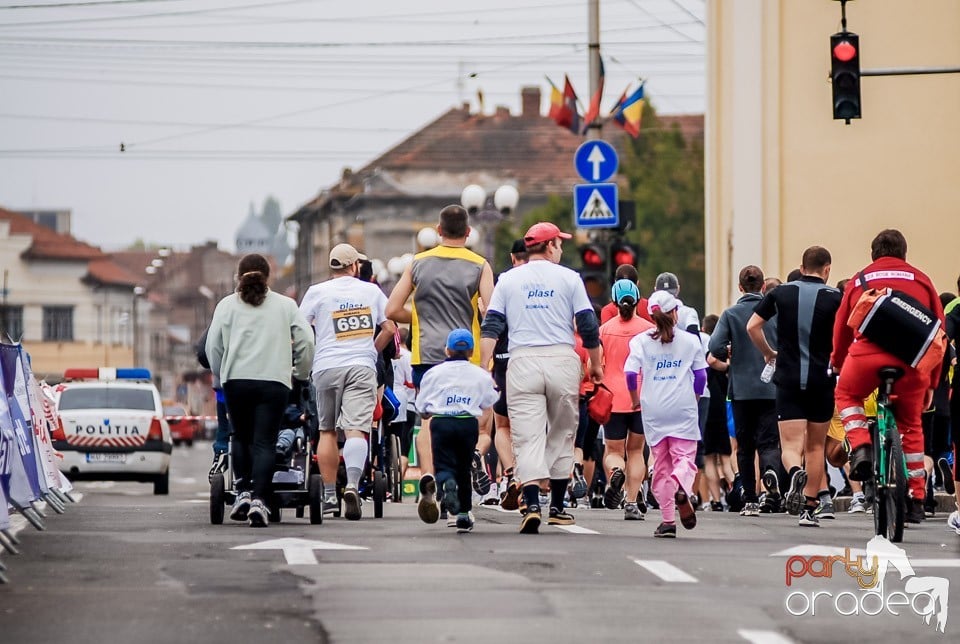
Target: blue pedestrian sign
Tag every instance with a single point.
(595, 205)
(596, 161)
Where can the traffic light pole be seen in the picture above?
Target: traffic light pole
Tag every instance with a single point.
(909, 71)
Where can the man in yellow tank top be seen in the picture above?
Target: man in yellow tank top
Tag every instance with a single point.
(447, 283)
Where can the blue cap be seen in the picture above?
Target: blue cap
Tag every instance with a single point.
(623, 289)
(460, 340)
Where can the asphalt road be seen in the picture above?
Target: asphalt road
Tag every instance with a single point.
(125, 566)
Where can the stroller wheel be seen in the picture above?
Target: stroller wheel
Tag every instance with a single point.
(315, 494)
(217, 498)
(379, 494)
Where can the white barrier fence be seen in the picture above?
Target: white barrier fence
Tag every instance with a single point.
(30, 480)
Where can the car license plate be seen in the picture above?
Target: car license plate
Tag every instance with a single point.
(106, 458)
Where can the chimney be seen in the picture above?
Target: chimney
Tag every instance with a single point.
(530, 99)
(503, 111)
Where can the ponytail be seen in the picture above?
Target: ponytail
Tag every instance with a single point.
(253, 272)
(627, 309)
(666, 326)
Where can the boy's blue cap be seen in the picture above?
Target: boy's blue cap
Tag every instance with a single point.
(460, 340)
(623, 289)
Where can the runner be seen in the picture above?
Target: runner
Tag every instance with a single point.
(753, 401)
(805, 312)
(689, 319)
(858, 362)
(610, 310)
(623, 433)
(674, 375)
(447, 283)
(454, 394)
(509, 499)
(538, 303)
(345, 313)
(716, 439)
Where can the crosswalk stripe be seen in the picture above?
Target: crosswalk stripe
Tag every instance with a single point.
(576, 529)
(763, 637)
(666, 571)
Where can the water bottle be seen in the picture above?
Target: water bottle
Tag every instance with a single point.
(767, 374)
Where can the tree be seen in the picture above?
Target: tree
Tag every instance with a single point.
(665, 174)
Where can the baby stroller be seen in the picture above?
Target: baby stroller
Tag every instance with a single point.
(381, 476)
(296, 479)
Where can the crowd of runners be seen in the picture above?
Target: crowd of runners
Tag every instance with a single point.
(517, 391)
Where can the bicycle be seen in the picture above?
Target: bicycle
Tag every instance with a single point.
(887, 490)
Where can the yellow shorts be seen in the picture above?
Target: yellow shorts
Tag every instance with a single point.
(836, 431)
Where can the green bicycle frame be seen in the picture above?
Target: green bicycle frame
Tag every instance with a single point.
(885, 423)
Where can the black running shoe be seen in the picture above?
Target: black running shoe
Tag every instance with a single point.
(579, 488)
(530, 523)
(946, 475)
(451, 497)
(464, 524)
(795, 499)
(560, 517)
(666, 531)
(479, 476)
(613, 497)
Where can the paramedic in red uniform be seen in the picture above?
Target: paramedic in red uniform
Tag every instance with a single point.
(858, 360)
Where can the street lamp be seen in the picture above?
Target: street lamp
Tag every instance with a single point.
(138, 292)
(474, 199)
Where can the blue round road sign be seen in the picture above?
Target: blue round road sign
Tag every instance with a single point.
(596, 161)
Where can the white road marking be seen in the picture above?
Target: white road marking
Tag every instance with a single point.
(189, 480)
(811, 550)
(196, 501)
(298, 551)
(935, 563)
(499, 509)
(666, 571)
(576, 529)
(763, 637)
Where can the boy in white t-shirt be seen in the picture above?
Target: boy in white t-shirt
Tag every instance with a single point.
(454, 394)
(674, 375)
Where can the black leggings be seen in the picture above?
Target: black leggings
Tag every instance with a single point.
(256, 409)
(757, 433)
(453, 441)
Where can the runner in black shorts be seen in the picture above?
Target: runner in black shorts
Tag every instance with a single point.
(805, 310)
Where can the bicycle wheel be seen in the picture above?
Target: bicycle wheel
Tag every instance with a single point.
(896, 492)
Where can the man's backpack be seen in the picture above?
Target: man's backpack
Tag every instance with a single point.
(900, 325)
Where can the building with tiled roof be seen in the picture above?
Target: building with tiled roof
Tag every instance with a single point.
(381, 206)
(68, 302)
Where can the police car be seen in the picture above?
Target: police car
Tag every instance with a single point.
(112, 427)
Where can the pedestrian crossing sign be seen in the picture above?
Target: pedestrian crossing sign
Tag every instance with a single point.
(595, 205)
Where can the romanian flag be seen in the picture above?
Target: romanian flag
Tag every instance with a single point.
(594, 110)
(628, 111)
(557, 107)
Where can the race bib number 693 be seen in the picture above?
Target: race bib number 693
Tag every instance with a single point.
(351, 324)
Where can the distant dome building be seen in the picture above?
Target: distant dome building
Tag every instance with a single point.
(253, 237)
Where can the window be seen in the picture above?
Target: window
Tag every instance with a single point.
(57, 323)
(11, 319)
(106, 398)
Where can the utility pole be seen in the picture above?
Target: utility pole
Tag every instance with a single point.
(593, 59)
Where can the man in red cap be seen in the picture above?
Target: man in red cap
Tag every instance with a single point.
(538, 304)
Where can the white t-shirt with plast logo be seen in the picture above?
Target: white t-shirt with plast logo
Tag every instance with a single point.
(667, 398)
(539, 300)
(345, 313)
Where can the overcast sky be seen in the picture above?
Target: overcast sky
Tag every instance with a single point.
(220, 104)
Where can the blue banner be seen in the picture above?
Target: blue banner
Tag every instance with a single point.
(18, 421)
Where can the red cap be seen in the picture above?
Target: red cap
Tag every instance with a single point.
(542, 232)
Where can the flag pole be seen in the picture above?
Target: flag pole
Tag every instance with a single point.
(594, 130)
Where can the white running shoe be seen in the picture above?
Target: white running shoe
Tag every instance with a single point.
(953, 521)
(857, 505)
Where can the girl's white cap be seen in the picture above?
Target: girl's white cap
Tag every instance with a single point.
(661, 301)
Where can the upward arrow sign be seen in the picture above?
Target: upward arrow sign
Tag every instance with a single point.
(297, 551)
(596, 159)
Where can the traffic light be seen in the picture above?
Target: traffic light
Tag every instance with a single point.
(593, 262)
(845, 75)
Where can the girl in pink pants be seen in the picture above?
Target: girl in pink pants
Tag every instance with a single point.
(674, 375)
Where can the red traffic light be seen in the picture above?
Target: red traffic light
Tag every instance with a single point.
(591, 257)
(624, 256)
(844, 51)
